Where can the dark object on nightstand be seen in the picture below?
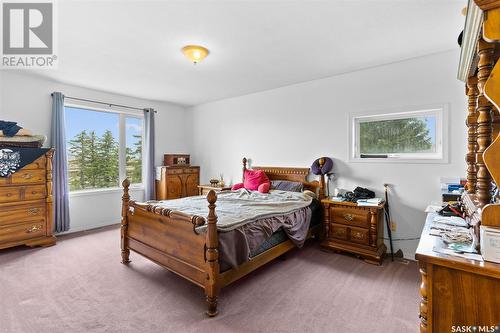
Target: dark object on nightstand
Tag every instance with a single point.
(355, 229)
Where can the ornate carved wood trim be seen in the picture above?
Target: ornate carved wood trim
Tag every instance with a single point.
(484, 121)
(124, 224)
(424, 301)
(212, 256)
(472, 147)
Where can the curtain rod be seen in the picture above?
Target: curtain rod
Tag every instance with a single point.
(104, 103)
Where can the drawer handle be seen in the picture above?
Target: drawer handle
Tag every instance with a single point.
(348, 217)
(33, 211)
(34, 228)
(358, 235)
(27, 176)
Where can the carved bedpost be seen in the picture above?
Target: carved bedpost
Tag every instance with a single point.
(49, 187)
(484, 122)
(212, 256)
(326, 220)
(322, 195)
(471, 123)
(244, 168)
(124, 223)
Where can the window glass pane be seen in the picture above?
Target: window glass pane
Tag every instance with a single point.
(92, 144)
(134, 149)
(406, 135)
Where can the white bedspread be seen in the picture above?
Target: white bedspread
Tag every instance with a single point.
(236, 208)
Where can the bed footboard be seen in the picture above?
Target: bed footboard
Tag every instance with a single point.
(170, 239)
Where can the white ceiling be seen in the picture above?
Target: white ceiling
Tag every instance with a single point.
(133, 47)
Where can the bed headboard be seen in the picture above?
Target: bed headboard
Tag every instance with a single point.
(290, 174)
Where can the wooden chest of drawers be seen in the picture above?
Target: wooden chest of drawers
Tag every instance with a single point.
(177, 182)
(26, 216)
(351, 228)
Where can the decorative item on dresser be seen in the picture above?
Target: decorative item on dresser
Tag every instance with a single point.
(204, 189)
(458, 291)
(26, 216)
(174, 182)
(355, 229)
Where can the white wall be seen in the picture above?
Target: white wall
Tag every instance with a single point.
(26, 99)
(293, 125)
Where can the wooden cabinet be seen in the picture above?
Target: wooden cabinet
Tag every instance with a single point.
(351, 228)
(26, 205)
(177, 182)
(455, 291)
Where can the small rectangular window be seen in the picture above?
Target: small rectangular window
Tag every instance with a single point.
(411, 135)
(102, 148)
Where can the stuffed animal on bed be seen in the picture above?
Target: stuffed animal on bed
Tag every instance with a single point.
(254, 180)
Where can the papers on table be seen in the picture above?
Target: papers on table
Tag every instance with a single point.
(454, 221)
(473, 256)
(370, 202)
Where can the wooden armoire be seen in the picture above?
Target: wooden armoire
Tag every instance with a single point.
(461, 294)
(26, 210)
(174, 182)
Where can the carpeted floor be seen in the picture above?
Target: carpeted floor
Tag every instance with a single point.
(79, 285)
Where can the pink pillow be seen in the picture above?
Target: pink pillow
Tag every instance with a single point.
(253, 178)
(264, 187)
(237, 186)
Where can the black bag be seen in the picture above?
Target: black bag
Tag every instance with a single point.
(363, 193)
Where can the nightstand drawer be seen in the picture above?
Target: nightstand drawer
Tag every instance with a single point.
(338, 231)
(358, 235)
(350, 216)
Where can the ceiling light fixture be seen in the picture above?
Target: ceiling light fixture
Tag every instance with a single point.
(195, 53)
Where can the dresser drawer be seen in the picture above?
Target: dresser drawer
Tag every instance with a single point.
(358, 235)
(191, 170)
(39, 163)
(23, 231)
(174, 171)
(338, 231)
(350, 216)
(34, 192)
(24, 176)
(10, 194)
(10, 214)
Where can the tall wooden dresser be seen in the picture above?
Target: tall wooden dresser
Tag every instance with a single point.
(458, 294)
(26, 216)
(174, 182)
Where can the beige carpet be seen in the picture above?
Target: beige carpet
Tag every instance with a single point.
(79, 285)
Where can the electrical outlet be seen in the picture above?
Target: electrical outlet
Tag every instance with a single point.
(393, 226)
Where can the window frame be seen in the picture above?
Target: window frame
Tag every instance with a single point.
(439, 157)
(122, 144)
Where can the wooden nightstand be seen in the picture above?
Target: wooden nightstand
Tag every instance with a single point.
(355, 229)
(204, 189)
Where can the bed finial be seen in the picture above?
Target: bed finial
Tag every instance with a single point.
(212, 256)
(244, 168)
(321, 163)
(124, 222)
